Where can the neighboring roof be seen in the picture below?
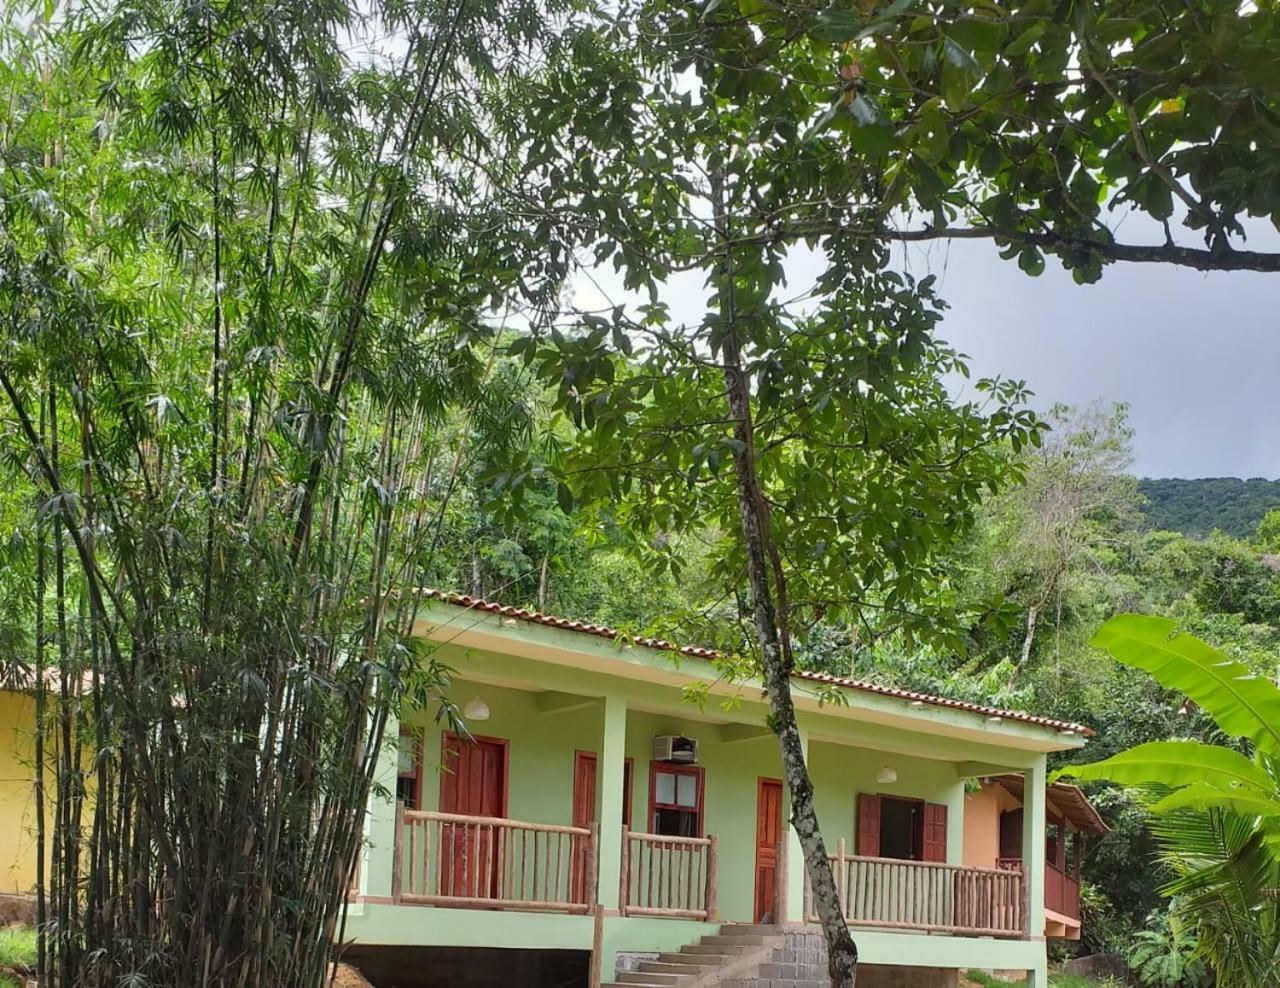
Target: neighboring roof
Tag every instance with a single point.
(1069, 799)
(697, 651)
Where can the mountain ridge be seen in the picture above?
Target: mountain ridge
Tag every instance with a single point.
(1202, 505)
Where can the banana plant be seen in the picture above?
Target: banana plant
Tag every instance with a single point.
(1215, 810)
(1190, 774)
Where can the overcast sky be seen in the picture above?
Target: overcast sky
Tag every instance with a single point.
(1196, 356)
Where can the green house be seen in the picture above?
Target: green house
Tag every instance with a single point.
(597, 827)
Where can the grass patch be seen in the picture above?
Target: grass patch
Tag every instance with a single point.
(17, 953)
(1056, 980)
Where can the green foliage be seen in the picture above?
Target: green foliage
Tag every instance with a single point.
(1057, 979)
(1203, 506)
(18, 948)
(1225, 872)
(247, 279)
(1268, 533)
(1164, 954)
(1217, 810)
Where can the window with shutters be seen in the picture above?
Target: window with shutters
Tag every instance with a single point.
(905, 829)
(901, 828)
(675, 800)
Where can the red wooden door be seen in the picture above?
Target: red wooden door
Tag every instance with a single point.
(584, 815)
(473, 782)
(768, 834)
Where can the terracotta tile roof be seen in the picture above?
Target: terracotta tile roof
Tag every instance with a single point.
(861, 685)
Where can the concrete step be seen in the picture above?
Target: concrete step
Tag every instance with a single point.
(746, 940)
(667, 967)
(717, 949)
(750, 930)
(631, 984)
(695, 961)
(653, 978)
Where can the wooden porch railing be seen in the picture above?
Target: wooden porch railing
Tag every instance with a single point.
(1061, 891)
(668, 876)
(450, 859)
(926, 895)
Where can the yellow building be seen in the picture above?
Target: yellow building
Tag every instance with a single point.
(17, 794)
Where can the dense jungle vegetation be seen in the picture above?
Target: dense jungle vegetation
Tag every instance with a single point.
(1045, 565)
(1204, 505)
(290, 329)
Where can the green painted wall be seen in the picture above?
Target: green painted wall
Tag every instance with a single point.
(731, 774)
(540, 783)
(540, 773)
(839, 773)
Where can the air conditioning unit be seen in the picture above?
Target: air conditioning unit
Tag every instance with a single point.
(675, 748)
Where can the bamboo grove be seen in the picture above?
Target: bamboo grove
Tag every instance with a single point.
(242, 272)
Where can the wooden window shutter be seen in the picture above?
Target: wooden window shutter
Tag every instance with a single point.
(935, 832)
(868, 825)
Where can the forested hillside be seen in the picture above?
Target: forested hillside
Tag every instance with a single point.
(1203, 505)
(348, 352)
(1043, 566)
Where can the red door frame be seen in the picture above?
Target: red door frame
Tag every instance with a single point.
(578, 862)
(458, 844)
(581, 816)
(767, 850)
(503, 743)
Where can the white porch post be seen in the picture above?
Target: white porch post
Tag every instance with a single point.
(613, 752)
(795, 856)
(380, 816)
(1033, 858)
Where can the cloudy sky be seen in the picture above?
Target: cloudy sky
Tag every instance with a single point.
(1195, 355)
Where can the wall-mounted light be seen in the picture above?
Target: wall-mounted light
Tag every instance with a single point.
(476, 709)
(995, 720)
(887, 776)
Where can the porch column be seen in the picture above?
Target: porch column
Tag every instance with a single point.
(1033, 852)
(380, 816)
(795, 856)
(613, 752)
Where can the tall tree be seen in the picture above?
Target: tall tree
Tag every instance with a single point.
(245, 280)
(1077, 493)
(817, 436)
(1028, 123)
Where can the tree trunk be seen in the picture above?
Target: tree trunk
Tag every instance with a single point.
(1033, 618)
(766, 581)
